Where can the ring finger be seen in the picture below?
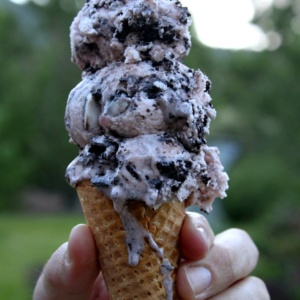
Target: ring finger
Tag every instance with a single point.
(246, 289)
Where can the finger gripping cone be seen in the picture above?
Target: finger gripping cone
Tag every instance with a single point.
(145, 280)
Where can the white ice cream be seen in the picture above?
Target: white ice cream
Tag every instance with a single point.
(139, 116)
(133, 30)
(143, 98)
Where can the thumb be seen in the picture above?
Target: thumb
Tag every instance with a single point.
(72, 269)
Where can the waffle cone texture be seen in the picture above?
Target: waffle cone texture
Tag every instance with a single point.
(145, 280)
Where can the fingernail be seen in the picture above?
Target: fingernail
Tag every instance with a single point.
(69, 253)
(203, 235)
(67, 256)
(199, 278)
(198, 225)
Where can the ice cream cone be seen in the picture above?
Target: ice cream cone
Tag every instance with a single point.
(145, 280)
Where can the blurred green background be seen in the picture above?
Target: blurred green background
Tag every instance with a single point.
(257, 129)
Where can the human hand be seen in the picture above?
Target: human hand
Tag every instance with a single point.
(73, 273)
(217, 267)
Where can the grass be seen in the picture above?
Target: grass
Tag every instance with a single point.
(26, 243)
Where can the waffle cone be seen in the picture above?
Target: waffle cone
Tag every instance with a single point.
(125, 282)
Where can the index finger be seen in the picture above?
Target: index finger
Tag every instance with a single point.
(72, 269)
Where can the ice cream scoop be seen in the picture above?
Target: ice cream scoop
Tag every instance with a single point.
(153, 168)
(129, 30)
(143, 98)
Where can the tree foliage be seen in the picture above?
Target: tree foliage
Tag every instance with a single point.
(36, 77)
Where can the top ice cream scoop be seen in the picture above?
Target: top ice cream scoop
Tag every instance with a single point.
(105, 31)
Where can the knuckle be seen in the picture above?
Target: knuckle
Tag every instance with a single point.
(238, 252)
(240, 233)
(251, 250)
(259, 288)
(53, 271)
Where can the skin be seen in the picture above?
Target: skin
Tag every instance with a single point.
(213, 267)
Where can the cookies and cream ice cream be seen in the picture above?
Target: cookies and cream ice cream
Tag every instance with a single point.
(143, 125)
(140, 116)
(128, 100)
(129, 30)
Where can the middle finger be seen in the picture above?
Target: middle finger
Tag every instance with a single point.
(232, 257)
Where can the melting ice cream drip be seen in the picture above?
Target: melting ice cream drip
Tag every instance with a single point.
(166, 269)
(135, 236)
